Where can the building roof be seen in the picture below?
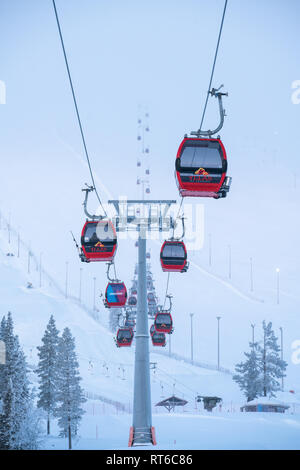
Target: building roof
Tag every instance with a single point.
(266, 401)
(172, 401)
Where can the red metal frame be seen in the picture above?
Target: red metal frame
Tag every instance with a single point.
(176, 268)
(131, 435)
(197, 189)
(100, 253)
(153, 436)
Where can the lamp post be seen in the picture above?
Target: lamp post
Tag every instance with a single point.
(229, 261)
(277, 277)
(192, 343)
(252, 326)
(66, 286)
(218, 318)
(251, 275)
(40, 269)
(94, 301)
(80, 281)
(18, 244)
(28, 264)
(8, 228)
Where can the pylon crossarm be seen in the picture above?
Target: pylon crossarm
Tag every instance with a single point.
(137, 215)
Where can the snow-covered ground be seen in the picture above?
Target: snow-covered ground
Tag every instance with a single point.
(238, 431)
(108, 377)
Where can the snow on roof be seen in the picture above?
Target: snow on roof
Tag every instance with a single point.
(266, 401)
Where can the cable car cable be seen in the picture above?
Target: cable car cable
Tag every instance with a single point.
(167, 288)
(115, 271)
(214, 63)
(168, 279)
(76, 107)
(179, 207)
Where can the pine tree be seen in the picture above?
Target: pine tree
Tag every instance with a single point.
(2, 368)
(6, 430)
(14, 390)
(248, 374)
(272, 367)
(47, 371)
(70, 394)
(31, 428)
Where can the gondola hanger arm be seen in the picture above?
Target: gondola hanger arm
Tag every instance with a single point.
(162, 309)
(217, 94)
(108, 273)
(174, 225)
(169, 296)
(120, 316)
(87, 190)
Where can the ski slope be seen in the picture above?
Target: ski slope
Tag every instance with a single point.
(106, 369)
(107, 374)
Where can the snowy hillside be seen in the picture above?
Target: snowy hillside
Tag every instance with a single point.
(108, 376)
(106, 369)
(253, 229)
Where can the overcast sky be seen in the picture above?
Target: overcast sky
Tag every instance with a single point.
(122, 54)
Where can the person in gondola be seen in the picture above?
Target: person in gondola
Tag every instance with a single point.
(94, 238)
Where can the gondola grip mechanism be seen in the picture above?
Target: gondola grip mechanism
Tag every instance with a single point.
(87, 190)
(214, 92)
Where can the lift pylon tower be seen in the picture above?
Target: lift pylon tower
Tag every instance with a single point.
(142, 216)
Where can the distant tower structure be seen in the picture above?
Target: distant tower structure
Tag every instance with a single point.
(143, 158)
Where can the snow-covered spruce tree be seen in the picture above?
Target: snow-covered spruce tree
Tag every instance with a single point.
(248, 374)
(47, 370)
(272, 367)
(2, 369)
(31, 429)
(6, 429)
(70, 394)
(15, 393)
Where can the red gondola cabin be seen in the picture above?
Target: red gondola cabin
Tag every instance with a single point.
(151, 298)
(98, 241)
(158, 339)
(201, 166)
(152, 330)
(115, 294)
(173, 257)
(132, 301)
(124, 337)
(163, 322)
